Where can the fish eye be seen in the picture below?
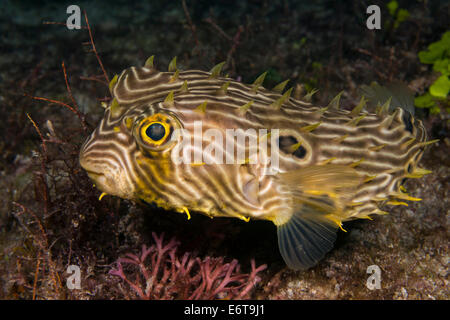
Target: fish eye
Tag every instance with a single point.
(154, 131)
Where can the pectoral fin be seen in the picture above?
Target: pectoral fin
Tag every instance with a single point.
(328, 187)
(305, 238)
(320, 195)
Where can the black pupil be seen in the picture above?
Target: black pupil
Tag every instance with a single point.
(155, 131)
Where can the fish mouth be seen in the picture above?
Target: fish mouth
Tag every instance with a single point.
(93, 174)
(108, 179)
(101, 181)
(90, 168)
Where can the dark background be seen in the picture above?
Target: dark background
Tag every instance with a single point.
(317, 44)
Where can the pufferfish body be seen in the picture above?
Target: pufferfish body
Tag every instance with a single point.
(305, 168)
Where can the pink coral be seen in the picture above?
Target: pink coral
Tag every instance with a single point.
(167, 276)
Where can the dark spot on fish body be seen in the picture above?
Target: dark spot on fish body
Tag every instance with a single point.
(410, 168)
(300, 152)
(286, 143)
(407, 120)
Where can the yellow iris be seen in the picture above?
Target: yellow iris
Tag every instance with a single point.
(155, 129)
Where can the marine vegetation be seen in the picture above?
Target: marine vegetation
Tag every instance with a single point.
(437, 54)
(161, 274)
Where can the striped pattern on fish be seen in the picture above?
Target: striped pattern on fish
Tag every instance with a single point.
(334, 165)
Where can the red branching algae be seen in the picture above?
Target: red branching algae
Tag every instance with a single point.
(159, 273)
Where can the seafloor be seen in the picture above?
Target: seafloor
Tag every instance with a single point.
(50, 216)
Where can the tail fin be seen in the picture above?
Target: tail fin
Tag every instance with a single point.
(401, 95)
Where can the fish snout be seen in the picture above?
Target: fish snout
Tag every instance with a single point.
(107, 175)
